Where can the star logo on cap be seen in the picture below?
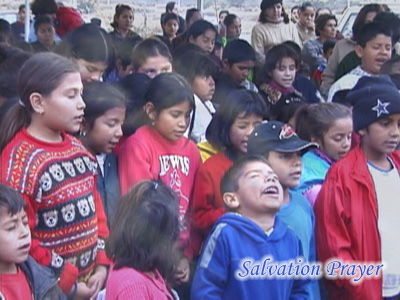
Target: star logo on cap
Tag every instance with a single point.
(381, 108)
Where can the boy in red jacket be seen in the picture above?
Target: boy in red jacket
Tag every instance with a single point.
(366, 181)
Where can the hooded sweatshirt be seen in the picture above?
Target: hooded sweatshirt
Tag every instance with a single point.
(236, 239)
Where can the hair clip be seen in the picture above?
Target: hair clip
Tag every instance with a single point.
(155, 184)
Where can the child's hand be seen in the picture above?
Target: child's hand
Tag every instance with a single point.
(182, 271)
(83, 291)
(97, 280)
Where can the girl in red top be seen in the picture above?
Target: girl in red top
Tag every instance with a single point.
(228, 132)
(55, 174)
(160, 151)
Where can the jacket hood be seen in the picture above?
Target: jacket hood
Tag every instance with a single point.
(251, 229)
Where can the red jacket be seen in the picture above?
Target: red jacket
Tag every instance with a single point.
(347, 223)
(208, 205)
(68, 19)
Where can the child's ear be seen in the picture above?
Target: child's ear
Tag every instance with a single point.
(37, 103)
(191, 39)
(362, 132)
(231, 200)
(359, 51)
(150, 111)
(315, 140)
(225, 64)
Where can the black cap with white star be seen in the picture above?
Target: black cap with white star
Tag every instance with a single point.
(373, 98)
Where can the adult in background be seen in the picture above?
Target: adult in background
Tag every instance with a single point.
(122, 23)
(171, 7)
(273, 28)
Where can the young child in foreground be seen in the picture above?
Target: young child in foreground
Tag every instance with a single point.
(357, 207)
(252, 195)
(21, 277)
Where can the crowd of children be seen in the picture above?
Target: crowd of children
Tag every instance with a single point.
(183, 165)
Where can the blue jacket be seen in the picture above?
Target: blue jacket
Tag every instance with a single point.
(108, 186)
(234, 240)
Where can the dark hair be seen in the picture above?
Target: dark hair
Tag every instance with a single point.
(296, 7)
(304, 6)
(169, 7)
(392, 21)
(265, 4)
(145, 229)
(194, 64)
(119, 10)
(44, 7)
(230, 180)
(387, 67)
(238, 51)
(42, 73)
(11, 200)
(189, 14)
(9, 68)
(100, 97)
(328, 44)
(169, 16)
(314, 120)
(42, 20)
(362, 15)
(236, 103)
(135, 87)
(223, 12)
(21, 7)
(6, 35)
(286, 109)
(185, 48)
(229, 19)
(321, 22)
(275, 56)
(370, 31)
(123, 50)
(149, 47)
(200, 27)
(88, 42)
(170, 89)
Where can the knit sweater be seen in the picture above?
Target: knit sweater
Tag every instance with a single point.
(128, 283)
(65, 213)
(266, 35)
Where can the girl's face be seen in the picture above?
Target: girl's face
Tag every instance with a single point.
(336, 141)
(274, 13)
(241, 129)
(329, 31)
(106, 131)
(205, 41)
(172, 122)
(171, 28)
(284, 72)
(91, 71)
(125, 20)
(234, 30)
(155, 65)
(307, 16)
(46, 34)
(62, 110)
(203, 87)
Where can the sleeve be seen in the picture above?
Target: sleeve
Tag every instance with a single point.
(332, 236)
(258, 41)
(205, 209)
(134, 165)
(296, 35)
(212, 271)
(67, 273)
(103, 232)
(328, 76)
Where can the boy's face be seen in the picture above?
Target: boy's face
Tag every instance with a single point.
(382, 136)
(259, 190)
(375, 53)
(287, 165)
(204, 87)
(239, 71)
(15, 239)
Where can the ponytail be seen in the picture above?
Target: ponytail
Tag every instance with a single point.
(42, 73)
(16, 118)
